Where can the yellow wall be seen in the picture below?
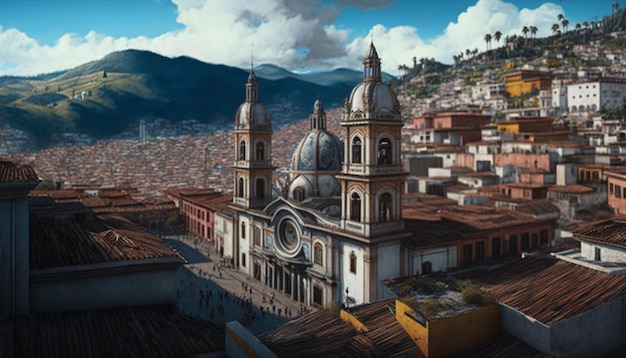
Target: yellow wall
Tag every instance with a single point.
(447, 337)
(517, 87)
(417, 332)
(453, 335)
(508, 127)
(358, 325)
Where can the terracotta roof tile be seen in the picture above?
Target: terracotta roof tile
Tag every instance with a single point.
(550, 290)
(106, 239)
(14, 173)
(611, 232)
(164, 332)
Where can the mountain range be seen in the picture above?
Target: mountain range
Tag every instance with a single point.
(106, 97)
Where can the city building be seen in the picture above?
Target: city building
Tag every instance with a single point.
(521, 82)
(337, 231)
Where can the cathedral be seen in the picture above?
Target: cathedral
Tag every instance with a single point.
(336, 229)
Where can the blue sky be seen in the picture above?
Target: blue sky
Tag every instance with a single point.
(39, 36)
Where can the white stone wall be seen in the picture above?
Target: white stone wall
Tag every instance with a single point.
(607, 253)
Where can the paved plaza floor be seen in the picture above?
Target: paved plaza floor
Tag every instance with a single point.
(208, 291)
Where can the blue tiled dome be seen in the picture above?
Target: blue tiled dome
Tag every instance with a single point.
(318, 151)
(316, 161)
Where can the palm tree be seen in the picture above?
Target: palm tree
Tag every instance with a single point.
(560, 17)
(487, 40)
(555, 28)
(468, 52)
(614, 7)
(533, 31)
(564, 23)
(578, 27)
(497, 36)
(525, 31)
(586, 25)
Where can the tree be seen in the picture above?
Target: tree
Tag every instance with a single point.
(555, 28)
(525, 31)
(488, 40)
(578, 27)
(564, 23)
(497, 36)
(533, 31)
(560, 17)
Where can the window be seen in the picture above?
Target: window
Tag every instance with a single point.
(618, 191)
(240, 188)
(243, 260)
(384, 151)
(480, 251)
(535, 241)
(352, 262)
(525, 241)
(610, 188)
(543, 237)
(317, 295)
(512, 244)
(356, 150)
(467, 254)
(495, 247)
(298, 193)
(243, 230)
(260, 188)
(597, 254)
(260, 151)
(257, 236)
(242, 150)
(318, 254)
(385, 207)
(355, 207)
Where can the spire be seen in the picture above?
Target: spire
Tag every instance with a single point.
(252, 87)
(318, 117)
(371, 65)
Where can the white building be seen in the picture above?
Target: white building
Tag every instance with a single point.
(587, 97)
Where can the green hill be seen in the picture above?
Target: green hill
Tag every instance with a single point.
(106, 97)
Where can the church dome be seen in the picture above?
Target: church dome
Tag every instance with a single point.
(316, 161)
(318, 151)
(252, 114)
(373, 99)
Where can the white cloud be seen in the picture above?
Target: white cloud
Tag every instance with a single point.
(290, 34)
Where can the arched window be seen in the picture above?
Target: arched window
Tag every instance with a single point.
(242, 150)
(356, 150)
(260, 188)
(385, 207)
(240, 188)
(298, 193)
(352, 262)
(384, 151)
(318, 254)
(260, 151)
(355, 207)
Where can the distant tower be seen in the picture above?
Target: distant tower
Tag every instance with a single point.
(104, 74)
(372, 177)
(142, 131)
(253, 168)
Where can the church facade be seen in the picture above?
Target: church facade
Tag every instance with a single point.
(336, 231)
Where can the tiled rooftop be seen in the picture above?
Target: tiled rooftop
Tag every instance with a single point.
(15, 173)
(610, 232)
(111, 333)
(550, 290)
(322, 334)
(106, 239)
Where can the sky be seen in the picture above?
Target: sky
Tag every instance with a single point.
(42, 36)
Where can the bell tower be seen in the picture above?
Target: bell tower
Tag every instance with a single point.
(372, 176)
(253, 168)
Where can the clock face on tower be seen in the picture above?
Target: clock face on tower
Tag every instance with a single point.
(289, 236)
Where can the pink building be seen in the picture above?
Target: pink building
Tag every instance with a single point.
(198, 207)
